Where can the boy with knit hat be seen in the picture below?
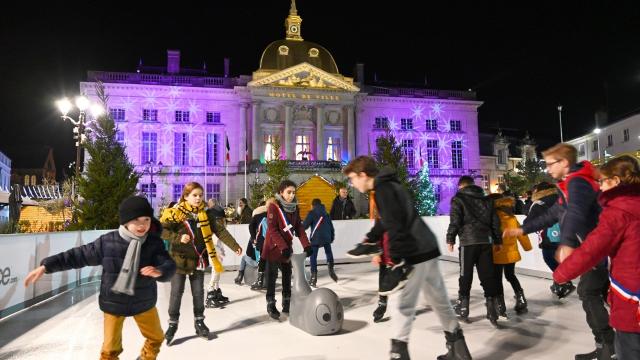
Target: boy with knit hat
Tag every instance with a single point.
(133, 258)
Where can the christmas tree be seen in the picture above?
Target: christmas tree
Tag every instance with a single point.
(109, 176)
(389, 153)
(425, 196)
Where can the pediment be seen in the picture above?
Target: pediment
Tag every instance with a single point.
(305, 75)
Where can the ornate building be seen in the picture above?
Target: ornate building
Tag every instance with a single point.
(297, 98)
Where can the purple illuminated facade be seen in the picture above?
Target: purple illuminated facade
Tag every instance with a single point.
(297, 97)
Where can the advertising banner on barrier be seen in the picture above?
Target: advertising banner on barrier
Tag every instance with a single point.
(17, 258)
(52, 244)
(87, 273)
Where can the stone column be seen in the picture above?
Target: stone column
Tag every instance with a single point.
(288, 131)
(255, 125)
(320, 148)
(351, 136)
(243, 132)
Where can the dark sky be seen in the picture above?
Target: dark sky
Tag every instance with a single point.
(522, 61)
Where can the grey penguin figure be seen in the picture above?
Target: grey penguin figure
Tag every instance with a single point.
(318, 312)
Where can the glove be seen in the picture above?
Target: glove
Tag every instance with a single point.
(286, 253)
(308, 250)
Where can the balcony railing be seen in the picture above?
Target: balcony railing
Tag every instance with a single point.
(299, 165)
(423, 93)
(162, 79)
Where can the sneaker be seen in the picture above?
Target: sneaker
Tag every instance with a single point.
(363, 250)
(395, 278)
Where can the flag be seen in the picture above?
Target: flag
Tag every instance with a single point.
(228, 148)
(421, 160)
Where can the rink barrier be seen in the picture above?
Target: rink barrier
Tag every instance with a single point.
(20, 253)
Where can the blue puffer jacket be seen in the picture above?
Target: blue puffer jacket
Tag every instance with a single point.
(109, 250)
(325, 234)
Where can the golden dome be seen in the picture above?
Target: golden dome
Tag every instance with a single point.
(282, 54)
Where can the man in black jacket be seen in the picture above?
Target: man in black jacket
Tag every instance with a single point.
(414, 251)
(342, 207)
(474, 220)
(133, 258)
(577, 213)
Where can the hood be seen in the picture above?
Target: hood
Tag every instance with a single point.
(259, 210)
(320, 208)
(544, 193)
(386, 174)
(504, 202)
(474, 191)
(623, 197)
(584, 169)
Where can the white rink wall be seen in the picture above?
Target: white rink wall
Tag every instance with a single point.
(20, 253)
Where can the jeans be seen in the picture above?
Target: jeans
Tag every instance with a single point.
(196, 280)
(247, 260)
(272, 275)
(591, 289)
(427, 278)
(548, 254)
(509, 274)
(627, 345)
(480, 256)
(314, 256)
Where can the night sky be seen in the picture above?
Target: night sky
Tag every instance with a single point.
(522, 61)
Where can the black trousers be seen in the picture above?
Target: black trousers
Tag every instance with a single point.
(509, 274)
(481, 257)
(592, 290)
(261, 265)
(272, 275)
(196, 280)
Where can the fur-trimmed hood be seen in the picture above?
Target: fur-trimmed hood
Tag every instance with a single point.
(259, 210)
(543, 193)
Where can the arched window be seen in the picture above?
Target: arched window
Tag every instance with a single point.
(26, 180)
(33, 180)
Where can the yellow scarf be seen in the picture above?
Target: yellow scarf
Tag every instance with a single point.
(181, 212)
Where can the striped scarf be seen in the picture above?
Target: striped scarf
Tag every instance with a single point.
(183, 211)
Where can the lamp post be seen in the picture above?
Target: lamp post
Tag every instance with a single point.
(597, 131)
(560, 119)
(83, 104)
(152, 169)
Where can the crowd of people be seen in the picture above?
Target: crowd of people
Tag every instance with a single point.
(587, 225)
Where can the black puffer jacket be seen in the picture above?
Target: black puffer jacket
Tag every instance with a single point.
(473, 218)
(338, 212)
(409, 237)
(109, 250)
(543, 200)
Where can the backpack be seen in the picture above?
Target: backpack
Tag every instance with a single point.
(553, 233)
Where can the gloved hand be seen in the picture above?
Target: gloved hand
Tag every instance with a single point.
(308, 250)
(286, 253)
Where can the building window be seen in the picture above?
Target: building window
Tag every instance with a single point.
(149, 190)
(436, 190)
(456, 154)
(212, 150)
(182, 116)
(485, 182)
(120, 137)
(333, 148)
(181, 149)
(432, 125)
(117, 115)
(269, 150)
(27, 180)
(581, 150)
(213, 117)
(213, 192)
(502, 157)
(432, 154)
(149, 147)
(500, 179)
(625, 135)
(609, 140)
(150, 115)
(381, 123)
(594, 146)
(406, 124)
(303, 147)
(177, 192)
(407, 151)
(33, 180)
(455, 125)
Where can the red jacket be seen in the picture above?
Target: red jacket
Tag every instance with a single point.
(277, 238)
(617, 236)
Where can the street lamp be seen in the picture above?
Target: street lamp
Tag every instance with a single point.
(560, 118)
(83, 104)
(597, 131)
(152, 169)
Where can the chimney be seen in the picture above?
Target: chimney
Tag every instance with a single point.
(173, 61)
(360, 73)
(227, 64)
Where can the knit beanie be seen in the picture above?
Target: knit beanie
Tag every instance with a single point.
(134, 207)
